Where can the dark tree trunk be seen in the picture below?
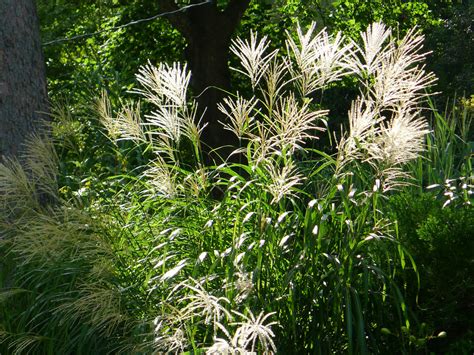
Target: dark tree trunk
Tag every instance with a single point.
(208, 32)
(23, 95)
(207, 55)
(208, 60)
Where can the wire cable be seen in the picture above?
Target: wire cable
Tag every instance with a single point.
(85, 35)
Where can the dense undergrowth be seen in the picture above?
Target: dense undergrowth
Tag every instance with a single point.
(136, 246)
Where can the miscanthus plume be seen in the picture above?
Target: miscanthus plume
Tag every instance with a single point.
(387, 127)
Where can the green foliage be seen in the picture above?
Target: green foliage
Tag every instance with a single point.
(449, 147)
(453, 52)
(440, 240)
(352, 16)
(107, 61)
(56, 265)
(446, 24)
(436, 225)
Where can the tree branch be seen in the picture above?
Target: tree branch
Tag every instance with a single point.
(179, 20)
(204, 19)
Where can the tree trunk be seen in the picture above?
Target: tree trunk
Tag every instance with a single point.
(23, 95)
(207, 56)
(208, 31)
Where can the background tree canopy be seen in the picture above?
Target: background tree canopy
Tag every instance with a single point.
(111, 59)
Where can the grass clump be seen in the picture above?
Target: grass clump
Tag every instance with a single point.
(298, 253)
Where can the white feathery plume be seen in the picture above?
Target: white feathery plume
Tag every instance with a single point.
(166, 88)
(239, 113)
(168, 121)
(400, 140)
(291, 124)
(362, 119)
(161, 178)
(203, 304)
(282, 180)
(252, 56)
(396, 85)
(169, 340)
(254, 330)
(373, 50)
(363, 126)
(275, 82)
(126, 125)
(129, 123)
(320, 58)
(304, 56)
(332, 53)
(104, 110)
(222, 346)
(165, 84)
(399, 79)
(197, 182)
(191, 127)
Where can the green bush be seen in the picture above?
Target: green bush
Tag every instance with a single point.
(440, 240)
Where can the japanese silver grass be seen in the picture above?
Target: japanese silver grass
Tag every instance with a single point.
(164, 85)
(170, 340)
(399, 79)
(42, 164)
(252, 334)
(239, 112)
(200, 303)
(161, 178)
(283, 180)
(387, 129)
(168, 122)
(255, 330)
(373, 49)
(275, 82)
(252, 56)
(292, 124)
(222, 346)
(129, 123)
(363, 126)
(104, 110)
(319, 59)
(401, 139)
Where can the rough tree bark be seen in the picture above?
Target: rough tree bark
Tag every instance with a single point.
(208, 31)
(23, 95)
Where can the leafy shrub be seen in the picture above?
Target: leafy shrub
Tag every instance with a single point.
(440, 240)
